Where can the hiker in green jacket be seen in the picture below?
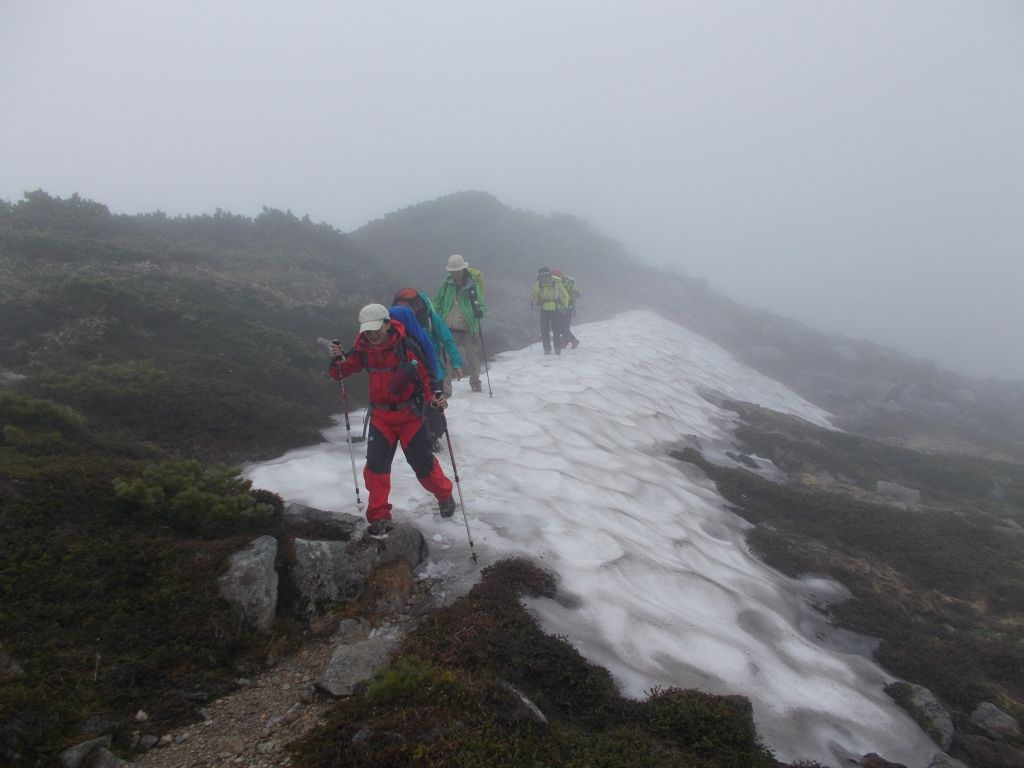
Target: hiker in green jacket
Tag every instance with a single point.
(460, 302)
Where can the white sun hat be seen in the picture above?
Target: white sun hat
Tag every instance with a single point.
(372, 317)
(456, 263)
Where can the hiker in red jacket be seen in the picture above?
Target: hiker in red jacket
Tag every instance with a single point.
(401, 386)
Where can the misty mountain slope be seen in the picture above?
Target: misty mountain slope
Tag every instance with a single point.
(567, 465)
(195, 332)
(867, 386)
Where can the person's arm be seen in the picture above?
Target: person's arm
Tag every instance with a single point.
(430, 383)
(344, 363)
(447, 341)
(476, 300)
(439, 295)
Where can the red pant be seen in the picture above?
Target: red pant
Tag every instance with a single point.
(387, 430)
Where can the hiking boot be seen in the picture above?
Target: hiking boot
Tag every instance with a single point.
(379, 528)
(476, 386)
(446, 507)
(547, 351)
(575, 343)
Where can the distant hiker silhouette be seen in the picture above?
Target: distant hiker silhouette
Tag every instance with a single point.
(550, 296)
(568, 338)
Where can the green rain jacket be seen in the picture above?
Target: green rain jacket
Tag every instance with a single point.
(445, 299)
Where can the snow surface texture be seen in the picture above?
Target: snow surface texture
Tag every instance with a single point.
(567, 465)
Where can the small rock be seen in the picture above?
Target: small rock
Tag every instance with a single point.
(942, 760)
(165, 741)
(993, 721)
(244, 682)
(141, 716)
(267, 747)
(75, 756)
(148, 741)
(231, 745)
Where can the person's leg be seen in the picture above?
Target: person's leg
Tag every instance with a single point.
(472, 360)
(570, 337)
(380, 450)
(416, 445)
(556, 330)
(545, 330)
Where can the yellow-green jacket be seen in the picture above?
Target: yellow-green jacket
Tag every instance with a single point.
(550, 295)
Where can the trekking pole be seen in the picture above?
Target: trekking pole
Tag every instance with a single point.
(483, 353)
(348, 427)
(478, 314)
(458, 485)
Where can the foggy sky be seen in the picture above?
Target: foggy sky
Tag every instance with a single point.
(858, 165)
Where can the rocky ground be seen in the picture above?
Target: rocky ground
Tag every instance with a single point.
(251, 726)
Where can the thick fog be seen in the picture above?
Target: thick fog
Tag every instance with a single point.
(855, 164)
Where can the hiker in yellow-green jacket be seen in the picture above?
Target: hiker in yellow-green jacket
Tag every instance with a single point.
(550, 296)
(460, 303)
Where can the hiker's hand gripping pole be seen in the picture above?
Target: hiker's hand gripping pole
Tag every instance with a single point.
(332, 345)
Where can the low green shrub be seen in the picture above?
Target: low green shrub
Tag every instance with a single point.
(191, 500)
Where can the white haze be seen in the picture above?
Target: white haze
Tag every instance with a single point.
(857, 164)
(567, 465)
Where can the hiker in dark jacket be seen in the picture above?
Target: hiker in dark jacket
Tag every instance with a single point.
(401, 384)
(447, 352)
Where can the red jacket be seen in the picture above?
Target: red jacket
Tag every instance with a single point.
(382, 362)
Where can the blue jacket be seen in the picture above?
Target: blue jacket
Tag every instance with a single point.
(405, 316)
(441, 336)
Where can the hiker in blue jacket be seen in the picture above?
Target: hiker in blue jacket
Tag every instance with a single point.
(443, 344)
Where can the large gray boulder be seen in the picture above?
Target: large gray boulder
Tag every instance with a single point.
(251, 582)
(338, 571)
(330, 570)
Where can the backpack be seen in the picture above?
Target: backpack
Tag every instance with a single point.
(478, 278)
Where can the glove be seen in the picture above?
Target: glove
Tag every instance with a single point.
(478, 313)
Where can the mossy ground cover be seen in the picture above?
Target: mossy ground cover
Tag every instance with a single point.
(108, 568)
(941, 585)
(447, 701)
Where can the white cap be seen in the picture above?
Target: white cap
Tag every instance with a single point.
(372, 317)
(456, 263)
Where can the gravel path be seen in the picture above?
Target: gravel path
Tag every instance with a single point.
(251, 726)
